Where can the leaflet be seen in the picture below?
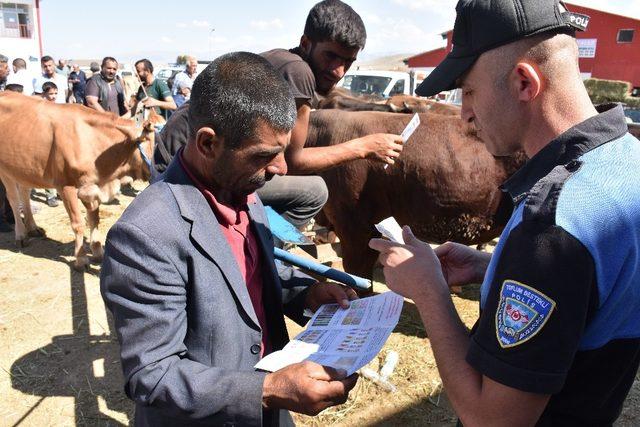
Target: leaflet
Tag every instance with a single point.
(408, 130)
(344, 339)
(390, 229)
(411, 127)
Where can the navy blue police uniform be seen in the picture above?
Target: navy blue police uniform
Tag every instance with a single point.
(560, 302)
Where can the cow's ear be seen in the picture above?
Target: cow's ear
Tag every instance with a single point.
(143, 132)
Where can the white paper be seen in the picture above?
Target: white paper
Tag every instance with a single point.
(390, 229)
(408, 131)
(344, 339)
(411, 127)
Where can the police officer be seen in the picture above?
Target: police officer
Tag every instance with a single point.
(558, 338)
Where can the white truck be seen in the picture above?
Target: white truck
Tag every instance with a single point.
(381, 83)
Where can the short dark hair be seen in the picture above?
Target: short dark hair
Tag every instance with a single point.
(46, 58)
(147, 64)
(19, 63)
(3, 59)
(235, 92)
(14, 87)
(46, 86)
(108, 59)
(94, 67)
(333, 20)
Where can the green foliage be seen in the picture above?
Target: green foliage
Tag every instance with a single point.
(181, 59)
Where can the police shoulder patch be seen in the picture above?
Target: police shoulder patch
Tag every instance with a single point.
(522, 312)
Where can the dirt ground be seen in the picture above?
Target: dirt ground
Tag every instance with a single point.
(59, 363)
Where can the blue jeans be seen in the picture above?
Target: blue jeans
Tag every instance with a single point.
(296, 198)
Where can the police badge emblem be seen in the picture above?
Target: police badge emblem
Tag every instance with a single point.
(521, 314)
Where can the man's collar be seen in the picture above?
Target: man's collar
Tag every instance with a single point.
(226, 214)
(105, 79)
(609, 125)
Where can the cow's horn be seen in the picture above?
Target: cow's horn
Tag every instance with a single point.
(394, 108)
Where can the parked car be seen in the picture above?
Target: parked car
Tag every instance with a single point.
(632, 114)
(168, 74)
(380, 82)
(454, 97)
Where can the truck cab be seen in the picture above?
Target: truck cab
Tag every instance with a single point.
(380, 83)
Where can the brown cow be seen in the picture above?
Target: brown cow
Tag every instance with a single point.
(81, 152)
(414, 104)
(342, 99)
(444, 185)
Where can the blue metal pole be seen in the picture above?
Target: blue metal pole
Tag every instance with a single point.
(321, 269)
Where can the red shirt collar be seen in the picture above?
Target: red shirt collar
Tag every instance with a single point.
(227, 215)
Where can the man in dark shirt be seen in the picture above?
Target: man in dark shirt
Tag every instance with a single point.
(333, 36)
(78, 80)
(104, 91)
(153, 92)
(558, 338)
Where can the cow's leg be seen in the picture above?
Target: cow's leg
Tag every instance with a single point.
(30, 224)
(70, 199)
(357, 258)
(93, 218)
(14, 200)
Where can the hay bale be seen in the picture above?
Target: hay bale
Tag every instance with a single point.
(632, 101)
(603, 91)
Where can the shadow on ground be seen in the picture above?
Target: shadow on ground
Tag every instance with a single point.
(421, 413)
(45, 248)
(79, 365)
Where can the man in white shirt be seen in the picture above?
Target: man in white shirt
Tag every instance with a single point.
(183, 81)
(49, 75)
(21, 76)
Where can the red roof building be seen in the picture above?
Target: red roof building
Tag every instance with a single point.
(609, 49)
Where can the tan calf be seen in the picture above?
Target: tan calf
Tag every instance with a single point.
(82, 153)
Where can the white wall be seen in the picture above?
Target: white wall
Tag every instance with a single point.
(15, 47)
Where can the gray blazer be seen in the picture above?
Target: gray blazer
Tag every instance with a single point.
(188, 333)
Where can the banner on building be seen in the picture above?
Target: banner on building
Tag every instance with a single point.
(587, 48)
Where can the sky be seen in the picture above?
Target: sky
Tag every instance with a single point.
(161, 30)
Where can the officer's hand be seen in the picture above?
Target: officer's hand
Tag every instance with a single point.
(384, 147)
(462, 265)
(306, 387)
(329, 293)
(412, 269)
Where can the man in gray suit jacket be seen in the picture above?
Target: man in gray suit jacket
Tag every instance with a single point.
(189, 273)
